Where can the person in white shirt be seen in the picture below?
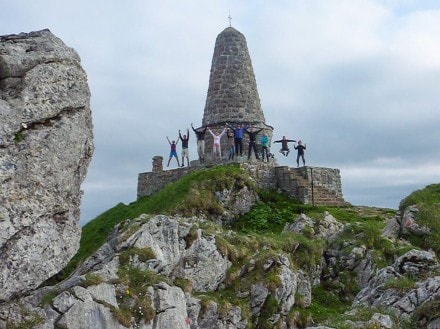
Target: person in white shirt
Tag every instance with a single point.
(216, 147)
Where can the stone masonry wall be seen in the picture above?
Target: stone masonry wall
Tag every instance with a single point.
(232, 91)
(309, 185)
(152, 182)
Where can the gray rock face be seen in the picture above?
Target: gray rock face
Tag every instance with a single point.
(409, 224)
(199, 261)
(235, 202)
(380, 292)
(327, 229)
(45, 148)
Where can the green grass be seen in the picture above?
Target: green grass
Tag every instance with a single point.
(326, 305)
(429, 195)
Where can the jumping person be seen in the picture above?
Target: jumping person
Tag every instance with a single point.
(238, 136)
(284, 145)
(185, 153)
(173, 152)
(300, 154)
(216, 147)
(200, 134)
(252, 141)
(264, 140)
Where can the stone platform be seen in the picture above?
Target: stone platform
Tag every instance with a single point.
(309, 185)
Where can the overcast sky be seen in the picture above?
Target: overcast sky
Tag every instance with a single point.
(358, 81)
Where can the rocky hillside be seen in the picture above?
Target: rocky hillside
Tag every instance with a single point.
(211, 251)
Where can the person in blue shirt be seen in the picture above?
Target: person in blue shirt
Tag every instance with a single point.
(231, 144)
(238, 137)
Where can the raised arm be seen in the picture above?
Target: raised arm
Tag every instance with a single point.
(223, 132)
(211, 132)
(168, 140)
(180, 136)
(193, 128)
(230, 126)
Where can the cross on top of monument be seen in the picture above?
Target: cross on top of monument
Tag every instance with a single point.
(230, 18)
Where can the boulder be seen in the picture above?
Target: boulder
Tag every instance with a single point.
(45, 149)
(409, 224)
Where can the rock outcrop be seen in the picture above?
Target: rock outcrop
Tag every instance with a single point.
(45, 149)
(154, 272)
(158, 271)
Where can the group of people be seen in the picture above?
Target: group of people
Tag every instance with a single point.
(235, 144)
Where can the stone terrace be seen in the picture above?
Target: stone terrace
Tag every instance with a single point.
(309, 185)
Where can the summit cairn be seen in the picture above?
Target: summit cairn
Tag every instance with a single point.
(232, 100)
(232, 92)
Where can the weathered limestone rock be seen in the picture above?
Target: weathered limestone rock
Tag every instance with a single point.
(414, 263)
(170, 306)
(378, 320)
(198, 261)
(259, 294)
(85, 308)
(45, 148)
(235, 202)
(213, 317)
(392, 228)
(327, 229)
(409, 223)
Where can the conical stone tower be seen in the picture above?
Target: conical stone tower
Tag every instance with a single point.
(232, 93)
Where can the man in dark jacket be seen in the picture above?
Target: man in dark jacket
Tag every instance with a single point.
(300, 147)
(184, 140)
(200, 134)
(284, 145)
(252, 141)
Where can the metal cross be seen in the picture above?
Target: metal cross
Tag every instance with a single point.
(230, 18)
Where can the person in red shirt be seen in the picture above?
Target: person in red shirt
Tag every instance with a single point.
(173, 151)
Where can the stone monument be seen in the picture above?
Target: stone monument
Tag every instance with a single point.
(233, 98)
(232, 92)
